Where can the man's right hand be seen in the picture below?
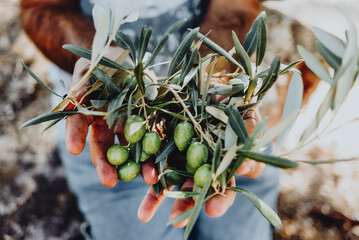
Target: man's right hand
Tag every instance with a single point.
(101, 138)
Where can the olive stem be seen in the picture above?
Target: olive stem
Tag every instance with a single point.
(145, 113)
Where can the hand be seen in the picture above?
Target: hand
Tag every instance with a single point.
(101, 137)
(218, 204)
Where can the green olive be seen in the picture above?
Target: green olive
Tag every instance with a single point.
(173, 178)
(129, 80)
(117, 154)
(202, 174)
(137, 135)
(128, 171)
(144, 156)
(151, 143)
(197, 155)
(183, 135)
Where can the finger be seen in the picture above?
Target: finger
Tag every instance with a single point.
(150, 204)
(250, 121)
(120, 133)
(251, 169)
(219, 204)
(101, 138)
(76, 131)
(182, 205)
(256, 170)
(149, 172)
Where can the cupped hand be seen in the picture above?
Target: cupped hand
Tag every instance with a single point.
(217, 205)
(101, 137)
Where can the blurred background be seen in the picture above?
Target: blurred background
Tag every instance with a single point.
(315, 202)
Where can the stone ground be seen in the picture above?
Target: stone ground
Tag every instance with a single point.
(35, 202)
(316, 202)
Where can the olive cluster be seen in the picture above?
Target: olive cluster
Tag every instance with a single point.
(118, 154)
(196, 153)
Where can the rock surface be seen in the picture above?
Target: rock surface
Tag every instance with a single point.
(35, 202)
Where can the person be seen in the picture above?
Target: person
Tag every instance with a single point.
(108, 206)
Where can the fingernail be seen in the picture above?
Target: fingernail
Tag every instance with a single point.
(244, 170)
(249, 114)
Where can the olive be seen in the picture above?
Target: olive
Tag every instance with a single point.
(202, 174)
(129, 80)
(117, 154)
(128, 171)
(137, 135)
(173, 178)
(151, 143)
(144, 156)
(183, 135)
(197, 155)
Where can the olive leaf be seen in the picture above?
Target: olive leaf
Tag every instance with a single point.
(248, 144)
(51, 124)
(261, 40)
(271, 77)
(250, 41)
(230, 137)
(157, 188)
(179, 194)
(181, 217)
(143, 43)
(242, 55)
(263, 208)
(110, 85)
(217, 113)
(102, 20)
(125, 42)
(205, 89)
(187, 66)
(138, 151)
(292, 104)
(86, 53)
(177, 25)
(314, 65)
(333, 60)
(272, 160)
(151, 91)
(347, 73)
(182, 51)
(135, 126)
(39, 81)
(236, 121)
(197, 208)
(330, 41)
(48, 117)
(98, 103)
(314, 162)
(168, 148)
(290, 67)
(216, 48)
(226, 161)
(226, 89)
(139, 77)
(216, 155)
